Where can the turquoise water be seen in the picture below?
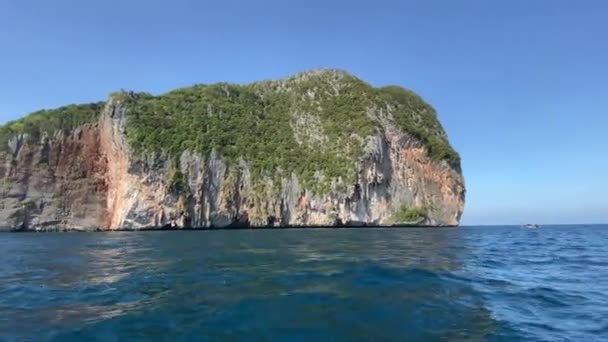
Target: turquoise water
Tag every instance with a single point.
(471, 283)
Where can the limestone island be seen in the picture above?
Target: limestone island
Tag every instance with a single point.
(320, 148)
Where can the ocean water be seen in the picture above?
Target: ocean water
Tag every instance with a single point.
(470, 283)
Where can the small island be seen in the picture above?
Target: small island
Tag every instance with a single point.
(320, 148)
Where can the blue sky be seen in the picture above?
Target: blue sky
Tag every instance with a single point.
(520, 85)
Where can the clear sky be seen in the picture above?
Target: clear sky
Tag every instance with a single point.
(519, 85)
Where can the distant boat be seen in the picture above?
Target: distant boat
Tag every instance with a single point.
(531, 225)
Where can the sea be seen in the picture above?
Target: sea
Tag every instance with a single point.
(348, 284)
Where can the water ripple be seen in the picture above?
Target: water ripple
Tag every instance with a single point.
(499, 283)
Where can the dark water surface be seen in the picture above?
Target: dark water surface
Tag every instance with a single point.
(471, 283)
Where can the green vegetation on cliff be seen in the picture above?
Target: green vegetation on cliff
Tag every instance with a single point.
(406, 214)
(35, 124)
(260, 123)
(315, 124)
(418, 118)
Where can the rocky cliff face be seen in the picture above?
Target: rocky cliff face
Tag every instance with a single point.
(57, 181)
(90, 177)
